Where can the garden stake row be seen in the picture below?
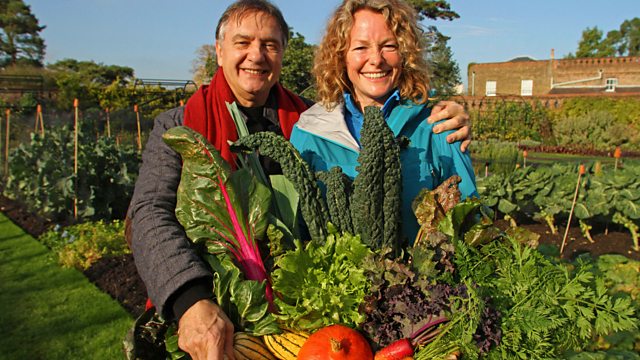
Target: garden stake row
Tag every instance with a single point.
(581, 172)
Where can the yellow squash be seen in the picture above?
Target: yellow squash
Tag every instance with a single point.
(285, 346)
(247, 347)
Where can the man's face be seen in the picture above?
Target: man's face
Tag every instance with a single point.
(250, 53)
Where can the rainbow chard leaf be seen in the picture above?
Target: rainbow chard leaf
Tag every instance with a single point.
(221, 209)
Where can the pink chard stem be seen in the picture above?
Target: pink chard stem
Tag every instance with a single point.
(248, 255)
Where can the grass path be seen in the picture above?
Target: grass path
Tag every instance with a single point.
(47, 312)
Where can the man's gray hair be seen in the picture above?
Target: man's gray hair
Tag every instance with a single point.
(241, 8)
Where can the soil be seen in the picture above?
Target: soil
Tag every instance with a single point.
(118, 276)
(614, 240)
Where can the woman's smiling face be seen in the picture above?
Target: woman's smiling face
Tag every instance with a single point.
(373, 60)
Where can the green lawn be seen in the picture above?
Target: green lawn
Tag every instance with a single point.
(48, 312)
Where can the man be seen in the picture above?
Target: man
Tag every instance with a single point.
(250, 41)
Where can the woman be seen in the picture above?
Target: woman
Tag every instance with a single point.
(372, 54)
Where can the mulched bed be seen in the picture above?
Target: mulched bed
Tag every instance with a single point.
(21, 216)
(118, 276)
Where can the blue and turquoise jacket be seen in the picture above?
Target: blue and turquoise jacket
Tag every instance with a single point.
(324, 140)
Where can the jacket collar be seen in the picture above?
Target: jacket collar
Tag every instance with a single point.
(332, 126)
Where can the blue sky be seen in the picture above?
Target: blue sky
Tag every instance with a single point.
(159, 38)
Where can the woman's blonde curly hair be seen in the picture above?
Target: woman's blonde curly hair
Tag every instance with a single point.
(330, 68)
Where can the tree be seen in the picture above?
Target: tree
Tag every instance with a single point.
(592, 44)
(627, 39)
(87, 80)
(433, 9)
(444, 71)
(296, 65)
(622, 42)
(20, 41)
(205, 64)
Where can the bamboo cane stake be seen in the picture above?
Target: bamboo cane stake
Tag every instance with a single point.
(581, 171)
(524, 157)
(135, 108)
(41, 118)
(6, 144)
(617, 154)
(75, 160)
(35, 125)
(108, 123)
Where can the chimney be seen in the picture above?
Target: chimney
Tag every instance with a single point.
(552, 54)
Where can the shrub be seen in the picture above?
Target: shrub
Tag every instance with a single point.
(596, 130)
(512, 121)
(501, 156)
(80, 246)
(625, 111)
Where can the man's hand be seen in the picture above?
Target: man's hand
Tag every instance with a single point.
(205, 332)
(457, 119)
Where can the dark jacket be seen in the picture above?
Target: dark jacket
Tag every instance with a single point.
(162, 252)
(174, 274)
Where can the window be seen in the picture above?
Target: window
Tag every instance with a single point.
(490, 89)
(526, 88)
(611, 84)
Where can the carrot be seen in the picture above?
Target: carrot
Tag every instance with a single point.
(397, 350)
(403, 348)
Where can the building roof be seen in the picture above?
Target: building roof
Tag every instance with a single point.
(594, 90)
(522, 58)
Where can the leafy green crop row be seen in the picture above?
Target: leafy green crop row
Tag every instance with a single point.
(546, 193)
(41, 174)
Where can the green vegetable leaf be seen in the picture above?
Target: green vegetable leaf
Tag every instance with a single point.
(322, 284)
(287, 200)
(244, 301)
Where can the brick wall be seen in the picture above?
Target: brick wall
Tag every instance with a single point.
(625, 69)
(509, 75)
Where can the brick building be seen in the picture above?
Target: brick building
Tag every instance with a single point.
(569, 77)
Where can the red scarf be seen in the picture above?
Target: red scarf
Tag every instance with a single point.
(207, 113)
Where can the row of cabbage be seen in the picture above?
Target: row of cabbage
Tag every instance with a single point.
(547, 194)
